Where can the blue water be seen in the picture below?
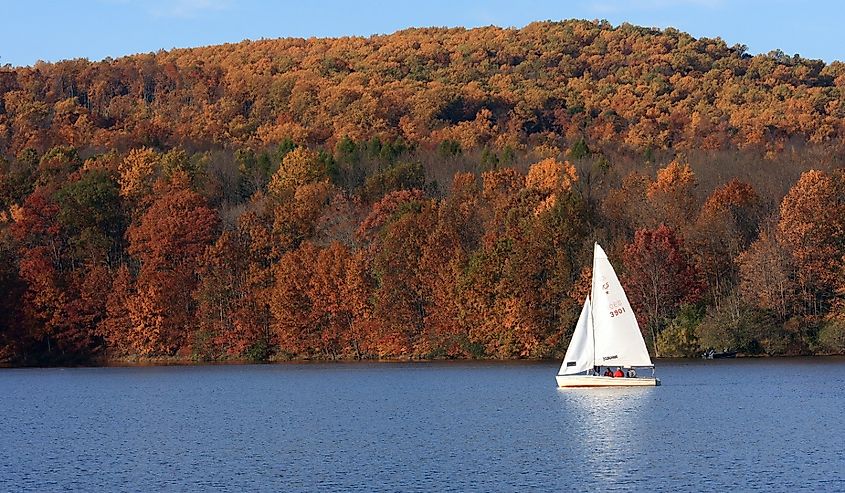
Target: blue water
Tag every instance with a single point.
(768, 425)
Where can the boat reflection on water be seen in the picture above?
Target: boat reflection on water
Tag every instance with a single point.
(606, 426)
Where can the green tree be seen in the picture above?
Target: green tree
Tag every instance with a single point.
(679, 339)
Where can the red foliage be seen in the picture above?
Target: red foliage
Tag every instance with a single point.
(660, 276)
(168, 242)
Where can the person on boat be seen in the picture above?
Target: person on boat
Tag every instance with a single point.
(618, 373)
(632, 373)
(608, 373)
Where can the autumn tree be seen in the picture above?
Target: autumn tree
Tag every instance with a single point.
(625, 208)
(724, 228)
(401, 305)
(550, 178)
(67, 236)
(137, 175)
(299, 167)
(671, 196)
(332, 314)
(168, 243)
(14, 327)
(229, 317)
(659, 277)
(812, 229)
(290, 303)
(514, 288)
(359, 285)
(456, 234)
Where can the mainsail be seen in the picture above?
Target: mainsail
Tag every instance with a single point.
(618, 340)
(579, 356)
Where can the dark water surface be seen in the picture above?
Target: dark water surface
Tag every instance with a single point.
(771, 425)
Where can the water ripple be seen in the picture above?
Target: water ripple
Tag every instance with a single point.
(754, 426)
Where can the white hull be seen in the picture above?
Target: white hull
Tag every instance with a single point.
(600, 381)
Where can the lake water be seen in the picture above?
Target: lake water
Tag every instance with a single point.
(739, 425)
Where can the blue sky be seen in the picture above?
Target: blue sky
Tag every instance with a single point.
(95, 29)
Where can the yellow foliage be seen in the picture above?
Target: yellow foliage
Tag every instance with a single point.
(137, 172)
(299, 167)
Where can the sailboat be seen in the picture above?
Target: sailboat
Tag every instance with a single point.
(606, 335)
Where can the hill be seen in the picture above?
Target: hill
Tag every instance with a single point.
(488, 86)
(433, 193)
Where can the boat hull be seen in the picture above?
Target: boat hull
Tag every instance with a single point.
(600, 381)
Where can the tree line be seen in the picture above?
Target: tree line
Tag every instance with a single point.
(349, 254)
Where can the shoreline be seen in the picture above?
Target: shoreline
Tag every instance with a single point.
(168, 362)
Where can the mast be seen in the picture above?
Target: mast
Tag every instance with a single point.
(592, 301)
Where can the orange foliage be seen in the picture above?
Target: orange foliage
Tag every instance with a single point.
(672, 194)
(168, 242)
(767, 275)
(550, 177)
(812, 229)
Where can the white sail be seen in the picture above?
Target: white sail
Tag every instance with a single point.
(618, 340)
(579, 355)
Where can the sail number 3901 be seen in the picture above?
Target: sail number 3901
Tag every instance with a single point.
(617, 312)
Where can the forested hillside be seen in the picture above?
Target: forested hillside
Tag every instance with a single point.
(429, 193)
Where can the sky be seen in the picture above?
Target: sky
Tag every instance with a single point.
(95, 29)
